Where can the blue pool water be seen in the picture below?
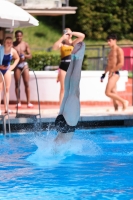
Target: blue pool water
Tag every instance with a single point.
(96, 164)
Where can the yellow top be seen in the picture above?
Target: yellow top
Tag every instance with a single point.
(66, 50)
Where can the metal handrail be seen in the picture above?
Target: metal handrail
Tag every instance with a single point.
(37, 89)
(106, 45)
(6, 103)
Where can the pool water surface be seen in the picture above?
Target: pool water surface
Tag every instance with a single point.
(96, 164)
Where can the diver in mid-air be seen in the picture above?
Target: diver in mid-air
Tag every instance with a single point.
(69, 113)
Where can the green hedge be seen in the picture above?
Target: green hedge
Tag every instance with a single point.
(41, 59)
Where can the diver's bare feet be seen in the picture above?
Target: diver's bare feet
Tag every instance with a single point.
(125, 105)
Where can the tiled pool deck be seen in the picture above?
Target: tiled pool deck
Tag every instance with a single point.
(88, 113)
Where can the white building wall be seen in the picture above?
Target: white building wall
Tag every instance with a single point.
(45, 3)
(91, 89)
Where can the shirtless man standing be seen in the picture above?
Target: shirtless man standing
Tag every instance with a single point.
(24, 53)
(115, 62)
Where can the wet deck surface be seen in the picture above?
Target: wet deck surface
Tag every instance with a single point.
(88, 113)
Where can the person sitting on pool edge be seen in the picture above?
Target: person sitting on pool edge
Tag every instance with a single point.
(69, 114)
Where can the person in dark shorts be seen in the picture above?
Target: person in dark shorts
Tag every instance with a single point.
(69, 114)
(66, 45)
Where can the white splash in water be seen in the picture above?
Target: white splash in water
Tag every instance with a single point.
(48, 153)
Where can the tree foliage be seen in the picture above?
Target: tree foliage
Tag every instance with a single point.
(98, 18)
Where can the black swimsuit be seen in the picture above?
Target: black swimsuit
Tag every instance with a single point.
(117, 72)
(62, 126)
(64, 64)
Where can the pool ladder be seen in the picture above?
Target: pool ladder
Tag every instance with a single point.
(3, 117)
(31, 116)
